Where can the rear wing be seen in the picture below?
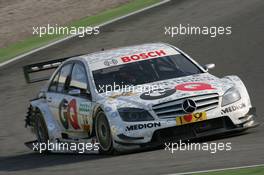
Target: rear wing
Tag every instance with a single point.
(36, 68)
(29, 70)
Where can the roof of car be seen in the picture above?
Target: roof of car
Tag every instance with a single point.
(123, 51)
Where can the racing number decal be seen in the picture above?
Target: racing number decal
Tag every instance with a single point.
(194, 86)
(69, 114)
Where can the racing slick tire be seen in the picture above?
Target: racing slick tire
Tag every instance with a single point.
(41, 130)
(103, 134)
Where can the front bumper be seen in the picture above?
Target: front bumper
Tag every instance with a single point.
(196, 130)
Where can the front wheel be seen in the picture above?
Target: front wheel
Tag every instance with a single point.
(103, 134)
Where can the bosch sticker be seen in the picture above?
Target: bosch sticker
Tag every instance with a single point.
(133, 57)
(147, 55)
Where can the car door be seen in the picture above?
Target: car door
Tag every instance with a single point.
(79, 103)
(56, 94)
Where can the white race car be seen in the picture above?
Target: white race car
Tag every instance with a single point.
(134, 97)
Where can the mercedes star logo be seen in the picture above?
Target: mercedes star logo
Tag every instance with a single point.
(188, 106)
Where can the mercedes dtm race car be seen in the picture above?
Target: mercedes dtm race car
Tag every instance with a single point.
(134, 97)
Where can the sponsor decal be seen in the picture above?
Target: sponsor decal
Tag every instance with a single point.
(143, 126)
(121, 94)
(191, 118)
(72, 114)
(69, 114)
(63, 115)
(142, 56)
(233, 108)
(194, 86)
(84, 108)
(157, 94)
(86, 128)
(110, 62)
(86, 121)
(84, 115)
(130, 58)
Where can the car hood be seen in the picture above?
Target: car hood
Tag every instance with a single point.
(167, 90)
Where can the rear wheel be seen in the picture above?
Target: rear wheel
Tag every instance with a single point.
(103, 134)
(41, 130)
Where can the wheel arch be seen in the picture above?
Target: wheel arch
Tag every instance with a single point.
(52, 125)
(96, 110)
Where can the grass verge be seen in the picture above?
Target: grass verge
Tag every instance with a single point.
(36, 42)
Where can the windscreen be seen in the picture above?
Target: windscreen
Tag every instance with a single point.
(147, 71)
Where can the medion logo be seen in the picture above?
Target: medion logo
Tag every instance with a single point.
(233, 108)
(143, 126)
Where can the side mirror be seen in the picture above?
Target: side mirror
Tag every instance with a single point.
(207, 67)
(78, 92)
(88, 95)
(75, 92)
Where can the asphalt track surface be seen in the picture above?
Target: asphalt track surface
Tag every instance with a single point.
(240, 53)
